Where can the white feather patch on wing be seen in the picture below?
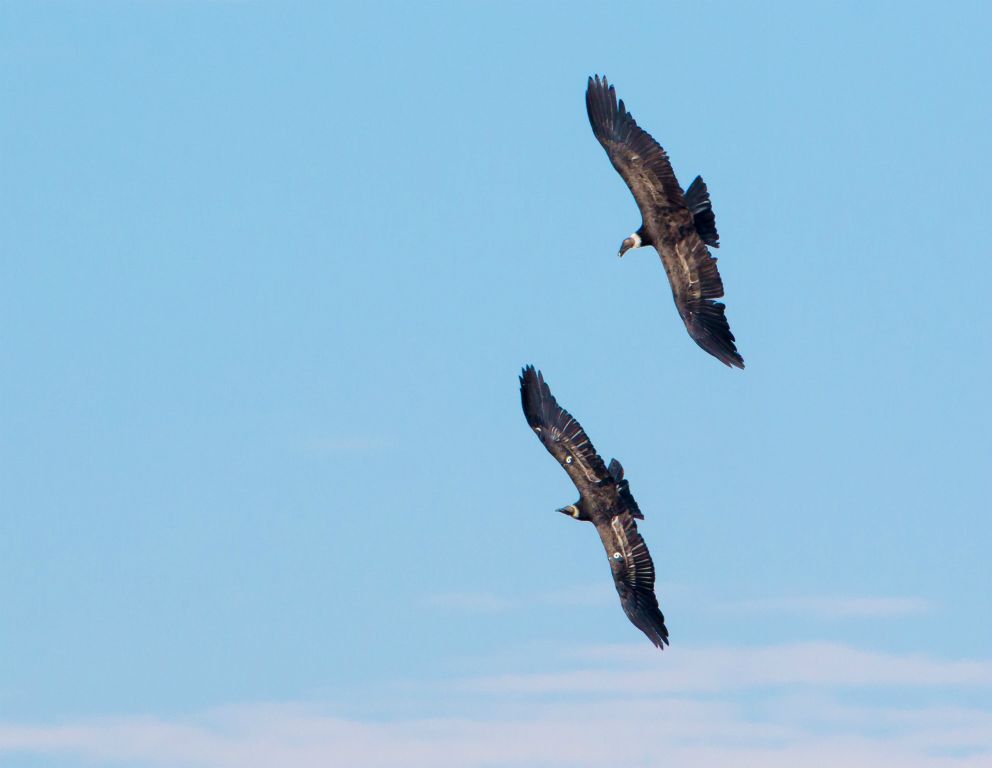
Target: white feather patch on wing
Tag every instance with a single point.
(621, 534)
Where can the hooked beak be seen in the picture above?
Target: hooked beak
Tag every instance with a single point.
(571, 510)
(625, 246)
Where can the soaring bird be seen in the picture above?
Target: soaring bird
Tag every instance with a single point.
(678, 224)
(604, 500)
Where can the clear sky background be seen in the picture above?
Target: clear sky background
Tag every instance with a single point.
(268, 273)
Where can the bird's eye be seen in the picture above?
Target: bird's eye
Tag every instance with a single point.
(617, 556)
(568, 459)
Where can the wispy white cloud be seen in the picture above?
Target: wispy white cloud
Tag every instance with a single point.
(601, 593)
(361, 445)
(490, 602)
(702, 670)
(691, 708)
(470, 602)
(835, 607)
(703, 734)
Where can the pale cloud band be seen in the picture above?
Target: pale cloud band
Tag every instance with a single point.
(773, 707)
(667, 732)
(836, 607)
(705, 670)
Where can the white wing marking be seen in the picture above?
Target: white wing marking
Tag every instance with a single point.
(621, 535)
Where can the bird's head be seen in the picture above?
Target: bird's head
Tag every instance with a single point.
(572, 510)
(634, 241)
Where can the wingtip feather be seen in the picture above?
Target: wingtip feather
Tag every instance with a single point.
(707, 324)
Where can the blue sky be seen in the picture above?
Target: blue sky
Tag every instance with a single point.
(268, 273)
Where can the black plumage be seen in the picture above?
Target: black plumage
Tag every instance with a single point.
(604, 500)
(678, 224)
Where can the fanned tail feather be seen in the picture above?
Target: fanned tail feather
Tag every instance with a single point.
(616, 470)
(623, 489)
(697, 197)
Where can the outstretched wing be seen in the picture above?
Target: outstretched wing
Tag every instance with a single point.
(695, 284)
(633, 575)
(562, 435)
(638, 158)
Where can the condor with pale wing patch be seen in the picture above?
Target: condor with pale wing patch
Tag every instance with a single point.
(604, 500)
(678, 224)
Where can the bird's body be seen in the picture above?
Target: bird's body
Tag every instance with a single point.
(604, 500)
(678, 224)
